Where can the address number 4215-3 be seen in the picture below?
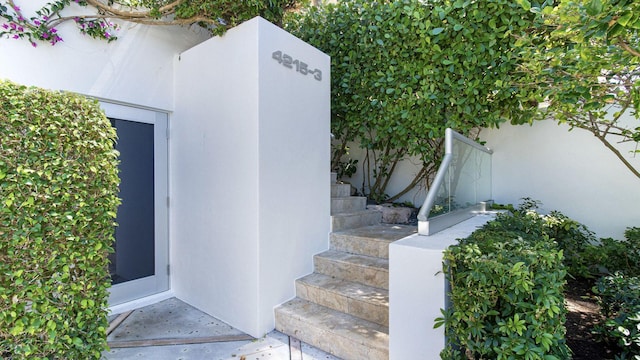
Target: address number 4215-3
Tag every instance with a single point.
(300, 66)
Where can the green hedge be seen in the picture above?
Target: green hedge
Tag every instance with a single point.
(58, 201)
(506, 292)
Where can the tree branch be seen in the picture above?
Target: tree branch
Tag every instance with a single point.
(619, 156)
(628, 48)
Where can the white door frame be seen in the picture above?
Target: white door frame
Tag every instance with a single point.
(159, 282)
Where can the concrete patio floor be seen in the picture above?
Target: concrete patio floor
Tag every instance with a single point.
(172, 329)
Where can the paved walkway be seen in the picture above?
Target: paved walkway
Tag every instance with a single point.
(172, 329)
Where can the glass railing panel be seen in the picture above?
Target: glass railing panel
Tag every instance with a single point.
(460, 188)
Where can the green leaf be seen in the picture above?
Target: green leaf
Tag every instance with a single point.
(526, 5)
(437, 31)
(594, 7)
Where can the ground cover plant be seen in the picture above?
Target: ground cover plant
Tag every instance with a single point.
(58, 201)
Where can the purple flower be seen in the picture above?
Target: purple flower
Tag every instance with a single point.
(16, 36)
(36, 22)
(53, 30)
(16, 8)
(5, 26)
(55, 40)
(34, 44)
(45, 35)
(45, 18)
(13, 26)
(107, 35)
(20, 28)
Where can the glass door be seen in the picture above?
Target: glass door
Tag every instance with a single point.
(139, 264)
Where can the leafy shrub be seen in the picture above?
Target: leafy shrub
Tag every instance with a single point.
(506, 293)
(618, 255)
(619, 300)
(577, 242)
(58, 194)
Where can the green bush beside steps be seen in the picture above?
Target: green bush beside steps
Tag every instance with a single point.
(506, 292)
(58, 201)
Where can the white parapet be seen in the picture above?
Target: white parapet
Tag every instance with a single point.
(417, 290)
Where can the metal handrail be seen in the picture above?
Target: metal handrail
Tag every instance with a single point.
(449, 136)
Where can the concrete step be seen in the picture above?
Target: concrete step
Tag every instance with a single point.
(340, 190)
(366, 302)
(348, 204)
(342, 335)
(362, 269)
(334, 177)
(370, 240)
(355, 219)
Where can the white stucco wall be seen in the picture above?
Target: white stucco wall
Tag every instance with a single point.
(250, 173)
(137, 68)
(568, 171)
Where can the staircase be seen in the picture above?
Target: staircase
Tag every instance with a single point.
(343, 306)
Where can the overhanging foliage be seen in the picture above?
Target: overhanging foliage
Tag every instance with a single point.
(214, 15)
(404, 71)
(583, 68)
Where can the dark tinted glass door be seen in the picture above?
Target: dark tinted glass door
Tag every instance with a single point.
(134, 256)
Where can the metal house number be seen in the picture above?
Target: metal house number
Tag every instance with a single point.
(301, 67)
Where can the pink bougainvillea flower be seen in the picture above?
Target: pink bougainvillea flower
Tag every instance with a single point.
(5, 26)
(33, 44)
(36, 23)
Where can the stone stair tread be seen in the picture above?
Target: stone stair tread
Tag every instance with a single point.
(338, 333)
(348, 204)
(381, 232)
(356, 259)
(349, 289)
(355, 219)
(340, 190)
(356, 213)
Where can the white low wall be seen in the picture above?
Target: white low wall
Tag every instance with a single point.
(250, 185)
(417, 290)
